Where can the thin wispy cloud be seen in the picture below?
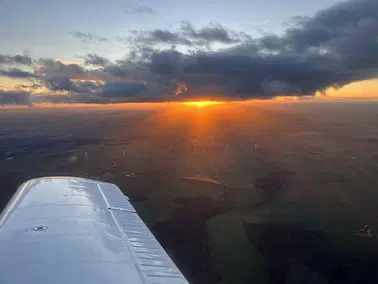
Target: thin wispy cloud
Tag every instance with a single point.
(95, 60)
(187, 34)
(141, 10)
(90, 37)
(145, 10)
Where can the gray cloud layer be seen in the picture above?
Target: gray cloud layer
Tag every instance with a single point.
(15, 98)
(16, 59)
(210, 33)
(96, 60)
(187, 35)
(17, 74)
(336, 46)
(89, 37)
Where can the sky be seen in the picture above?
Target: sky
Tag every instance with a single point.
(81, 51)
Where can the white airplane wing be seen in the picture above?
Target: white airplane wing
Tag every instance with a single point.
(61, 230)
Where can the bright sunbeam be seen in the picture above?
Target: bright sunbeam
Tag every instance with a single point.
(201, 104)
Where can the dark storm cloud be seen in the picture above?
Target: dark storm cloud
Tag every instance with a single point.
(247, 75)
(16, 59)
(271, 42)
(332, 28)
(335, 47)
(89, 98)
(96, 60)
(89, 37)
(167, 63)
(15, 98)
(111, 92)
(108, 72)
(71, 98)
(122, 89)
(210, 33)
(63, 83)
(120, 71)
(49, 66)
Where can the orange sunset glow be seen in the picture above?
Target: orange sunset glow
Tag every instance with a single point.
(181, 88)
(201, 104)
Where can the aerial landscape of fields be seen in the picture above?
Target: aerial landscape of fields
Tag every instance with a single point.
(254, 192)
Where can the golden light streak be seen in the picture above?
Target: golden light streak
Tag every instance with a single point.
(95, 81)
(181, 88)
(359, 89)
(287, 98)
(201, 104)
(67, 62)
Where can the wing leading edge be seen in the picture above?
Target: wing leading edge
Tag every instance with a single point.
(72, 230)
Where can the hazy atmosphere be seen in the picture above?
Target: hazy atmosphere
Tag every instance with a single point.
(236, 192)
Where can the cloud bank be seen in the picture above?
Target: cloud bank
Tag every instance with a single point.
(334, 47)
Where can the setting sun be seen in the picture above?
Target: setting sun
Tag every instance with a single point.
(202, 104)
